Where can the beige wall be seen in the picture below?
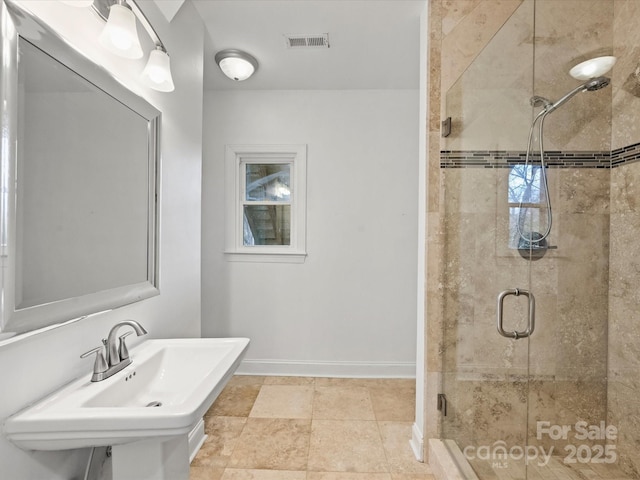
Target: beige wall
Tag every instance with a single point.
(626, 85)
(585, 289)
(624, 296)
(486, 73)
(568, 32)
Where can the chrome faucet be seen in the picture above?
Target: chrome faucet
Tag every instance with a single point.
(111, 357)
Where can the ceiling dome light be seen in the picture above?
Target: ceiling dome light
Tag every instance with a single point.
(236, 64)
(119, 35)
(595, 67)
(157, 73)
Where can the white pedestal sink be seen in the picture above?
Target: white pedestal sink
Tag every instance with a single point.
(145, 412)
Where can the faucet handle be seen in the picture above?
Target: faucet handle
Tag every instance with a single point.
(124, 351)
(100, 365)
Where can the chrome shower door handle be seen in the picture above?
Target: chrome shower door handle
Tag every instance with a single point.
(532, 314)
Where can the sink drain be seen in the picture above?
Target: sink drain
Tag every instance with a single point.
(154, 404)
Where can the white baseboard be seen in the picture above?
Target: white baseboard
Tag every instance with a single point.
(327, 369)
(417, 442)
(196, 439)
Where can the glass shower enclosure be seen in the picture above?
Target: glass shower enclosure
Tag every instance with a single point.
(540, 337)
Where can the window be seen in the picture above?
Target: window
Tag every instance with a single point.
(266, 202)
(525, 203)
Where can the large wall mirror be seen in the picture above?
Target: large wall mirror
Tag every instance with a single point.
(79, 162)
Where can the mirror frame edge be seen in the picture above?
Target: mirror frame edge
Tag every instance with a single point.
(16, 324)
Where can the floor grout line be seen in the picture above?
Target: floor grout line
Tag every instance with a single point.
(228, 471)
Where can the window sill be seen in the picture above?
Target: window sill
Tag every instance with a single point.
(266, 257)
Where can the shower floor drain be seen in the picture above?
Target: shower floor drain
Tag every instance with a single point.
(154, 404)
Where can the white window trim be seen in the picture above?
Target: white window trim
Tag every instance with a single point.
(235, 250)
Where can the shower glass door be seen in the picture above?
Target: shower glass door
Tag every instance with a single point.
(518, 406)
(490, 201)
(567, 402)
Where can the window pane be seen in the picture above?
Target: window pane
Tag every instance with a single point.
(268, 182)
(524, 184)
(267, 225)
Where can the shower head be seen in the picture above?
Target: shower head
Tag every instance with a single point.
(590, 85)
(597, 83)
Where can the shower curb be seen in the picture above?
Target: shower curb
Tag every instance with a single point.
(447, 461)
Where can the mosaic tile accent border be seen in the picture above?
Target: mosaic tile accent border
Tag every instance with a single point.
(554, 159)
(628, 154)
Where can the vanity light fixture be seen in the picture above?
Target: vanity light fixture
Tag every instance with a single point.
(157, 73)
(236, 64)
(120, 37)
(592, 68)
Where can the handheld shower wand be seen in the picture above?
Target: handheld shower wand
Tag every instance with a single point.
(590, 85)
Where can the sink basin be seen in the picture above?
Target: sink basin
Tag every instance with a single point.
(165, 391)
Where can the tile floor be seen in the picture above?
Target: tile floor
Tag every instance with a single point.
(556, 469)
(299, 428)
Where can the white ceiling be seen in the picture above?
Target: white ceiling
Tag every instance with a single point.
(374, 43)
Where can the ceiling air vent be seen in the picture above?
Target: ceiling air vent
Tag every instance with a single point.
(298, 41)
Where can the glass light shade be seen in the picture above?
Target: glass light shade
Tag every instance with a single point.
(235, 64)
(119, 35)
(595, 67)
(78, 3)
(157, 73)
(236, 68)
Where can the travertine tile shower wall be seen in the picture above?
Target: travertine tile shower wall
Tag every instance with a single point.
(624, 295)
(585, 353)
(568, 351)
